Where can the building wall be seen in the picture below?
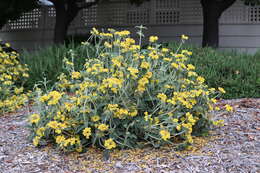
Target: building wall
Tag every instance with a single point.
(239, 25)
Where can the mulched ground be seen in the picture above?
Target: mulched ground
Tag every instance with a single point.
(235, 147)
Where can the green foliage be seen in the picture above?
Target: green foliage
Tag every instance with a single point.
(237, 72)
(124, 97)
(47, 63)
(239, 75)
(12, 73)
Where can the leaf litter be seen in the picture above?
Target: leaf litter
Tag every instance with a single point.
(235, 147)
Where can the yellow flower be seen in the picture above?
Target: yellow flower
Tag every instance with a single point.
(94, 31)
(147, 117)
(165, 134)
(192, 73)
(7, 44)
(18, 90)
(145, 65)
(35, 118)
(162, 97)
(75, 75)
(103, 127)
(184, 37)
(175, 120)
(40, 131)
(221, 90)
(200, 79)
(95, 118)
(175, 65)
(53, 124)
(122, 33)
(79, 149)
(189, 139)
(218, 123)
(60, 139)
(178, 127)
(107, 45)
(213, 100)
(110, 144)
(229, 108)
(87, 132)
(134, 113)
(36, 140)
(148, 74)
(69, 63)
(153, 39)
(153, 55)
(164, 50)
(112, 107)
(133, 71)
(106, 34)
(55, 95)
(190, 67)
(44, 98)
(217, 108)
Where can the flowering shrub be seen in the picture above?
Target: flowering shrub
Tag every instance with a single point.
(125, 97)
(11, 73)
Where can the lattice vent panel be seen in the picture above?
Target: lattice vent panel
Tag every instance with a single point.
(167, 11)
(28, 20)
(50, 17)
(167, 17)
(167, 4)
(51, 12)
(137, 15)
(237, 13)
(117, 14)
(254, 14)
(112, 13)
(89, 16)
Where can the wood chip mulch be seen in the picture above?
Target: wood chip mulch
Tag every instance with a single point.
(235, 147)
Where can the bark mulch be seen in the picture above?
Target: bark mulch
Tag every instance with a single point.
(235, 147)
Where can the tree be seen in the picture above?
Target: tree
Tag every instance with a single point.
(212, 11)
(12, 9)
(251, 2)
(66, 11)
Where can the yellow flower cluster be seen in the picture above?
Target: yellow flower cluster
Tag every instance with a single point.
(53, 97)
(11, 72)
(87, 132)
(153, 39)
(110, 144)
(35, 118)
(165, 134)
(123, 96)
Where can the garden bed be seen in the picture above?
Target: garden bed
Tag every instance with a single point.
(231, 148)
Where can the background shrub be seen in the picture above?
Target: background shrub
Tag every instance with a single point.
(47, 62)
(238, 73)
(12, 76)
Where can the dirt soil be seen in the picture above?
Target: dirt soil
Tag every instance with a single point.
(235, 147)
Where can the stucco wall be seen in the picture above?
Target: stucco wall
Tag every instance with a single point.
(239, 25)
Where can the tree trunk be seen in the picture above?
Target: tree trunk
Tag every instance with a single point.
(2, 24)
(65, 13)
(212, 11)
(61, 28)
